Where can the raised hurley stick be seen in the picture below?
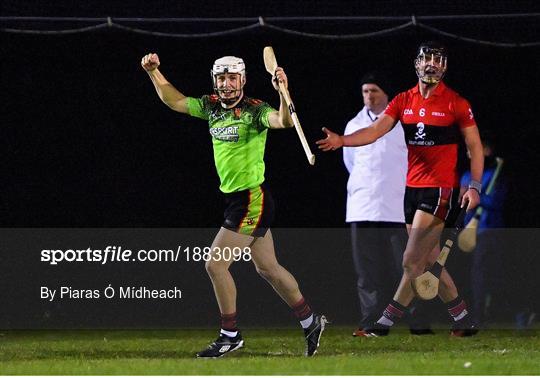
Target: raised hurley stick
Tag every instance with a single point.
(467, 237)
(271, 65)
(426, 286)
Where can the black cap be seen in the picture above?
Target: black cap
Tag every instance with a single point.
(381, 79)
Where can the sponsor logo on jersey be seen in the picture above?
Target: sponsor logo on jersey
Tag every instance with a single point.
(225, 134)
(420, 136)
(421, 142)
(217, 115)
(438, 114)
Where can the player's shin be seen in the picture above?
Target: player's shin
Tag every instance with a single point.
(395, 310)
(404, 293)
(447, 287)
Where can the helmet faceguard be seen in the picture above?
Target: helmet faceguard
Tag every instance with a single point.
(228, 65)
(431, 62)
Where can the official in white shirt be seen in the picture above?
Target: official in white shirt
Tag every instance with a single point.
(375, 191)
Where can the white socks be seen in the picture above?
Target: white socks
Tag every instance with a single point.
(229, 333)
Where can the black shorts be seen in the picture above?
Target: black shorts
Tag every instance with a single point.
(441, 202)
(250, 211)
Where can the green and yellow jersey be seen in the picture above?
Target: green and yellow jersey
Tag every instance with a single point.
(238, 137)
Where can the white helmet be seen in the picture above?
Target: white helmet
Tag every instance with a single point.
(229, 64)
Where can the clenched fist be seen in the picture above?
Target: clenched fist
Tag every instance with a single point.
(150, 62)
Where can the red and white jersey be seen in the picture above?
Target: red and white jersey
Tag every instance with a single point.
(432, 133)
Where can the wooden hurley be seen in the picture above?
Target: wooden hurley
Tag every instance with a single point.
(426, 286)
(271, 65)
(467, 238)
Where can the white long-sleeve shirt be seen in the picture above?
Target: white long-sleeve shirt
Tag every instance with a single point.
(377, 174)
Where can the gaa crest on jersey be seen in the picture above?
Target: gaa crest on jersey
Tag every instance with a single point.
(237, 113)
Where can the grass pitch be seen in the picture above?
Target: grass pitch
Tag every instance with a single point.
(267, 352)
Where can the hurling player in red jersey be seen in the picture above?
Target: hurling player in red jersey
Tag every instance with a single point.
(434, 118)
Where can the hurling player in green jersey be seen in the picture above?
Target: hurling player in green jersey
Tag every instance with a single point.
(238, 126)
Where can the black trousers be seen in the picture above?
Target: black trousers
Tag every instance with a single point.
(486, 274)
(377, 251)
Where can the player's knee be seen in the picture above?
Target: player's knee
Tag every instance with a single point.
(270, 274)
(213, 268)
(412, 268)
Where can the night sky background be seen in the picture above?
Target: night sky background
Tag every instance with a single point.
(86, 141)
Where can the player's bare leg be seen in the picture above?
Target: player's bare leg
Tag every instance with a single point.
(424, 236)
(422, 250)
(217, 267)
(448, 293)
(457, 308)
(447, 288)
(283, 282)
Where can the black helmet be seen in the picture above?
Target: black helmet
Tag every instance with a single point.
(431, 62)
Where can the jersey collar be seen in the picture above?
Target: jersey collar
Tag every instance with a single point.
(239, 104)
(372, 116)
(437, 92)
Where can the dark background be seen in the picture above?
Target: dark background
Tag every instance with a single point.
(87, 143)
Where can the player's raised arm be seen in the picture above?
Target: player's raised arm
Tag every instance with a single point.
(170, 96)
(281, 119)
(360, 137)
